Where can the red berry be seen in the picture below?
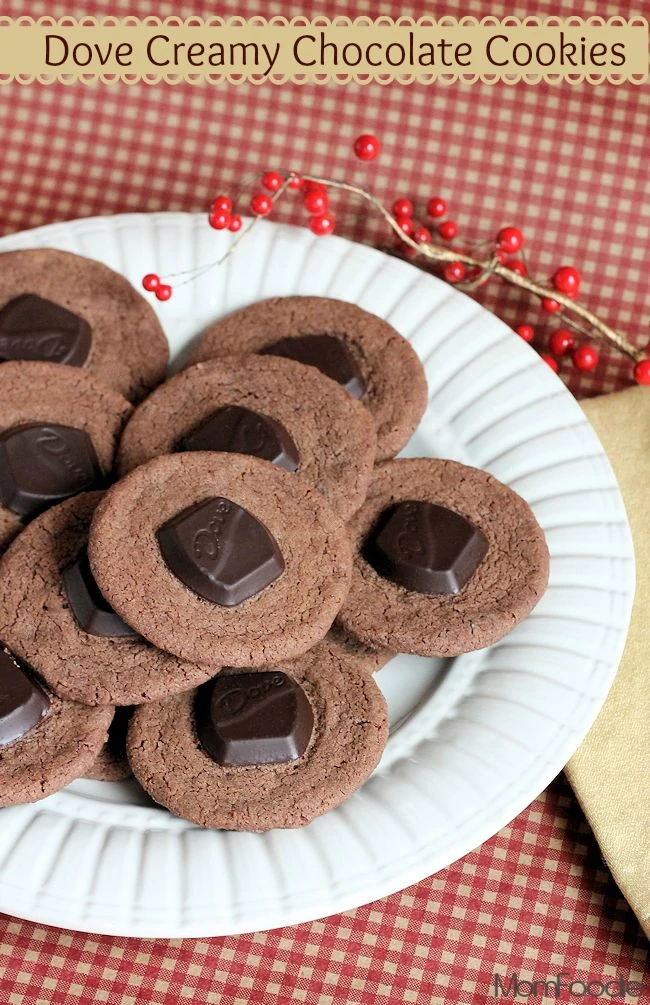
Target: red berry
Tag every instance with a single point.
(219, 220)
(642, 371)
(261, 204)
(510, 239)
(454, 272)
(313, 186)
(316, 201)
(551, 361)
(436, 207)
(296, 182)
(402, 207)
(517, 266)
(272, 181)
(235, 223)
(448, 230)
(151, 282)
(567, 279)
(406, 225)
(321, 225)
(550, 305)
(586, 357)
(422, 235)
(500, 256)
(163, 292)
(367, 147)
(526, 332)
(222, 204)
(561, 342)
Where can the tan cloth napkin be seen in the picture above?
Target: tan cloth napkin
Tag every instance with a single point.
(610, 773)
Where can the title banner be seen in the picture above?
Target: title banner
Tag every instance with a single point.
(279, 50)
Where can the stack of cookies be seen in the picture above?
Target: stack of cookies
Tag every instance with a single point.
(201, 576)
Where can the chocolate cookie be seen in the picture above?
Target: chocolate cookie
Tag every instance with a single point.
(258, 749)
(265, 406)
(54, 617)
(351, 650)
(59, 430)
(360, 351)
(111, 764)
(448, 560)
(61, 308)
(221, 559)
(45, 742)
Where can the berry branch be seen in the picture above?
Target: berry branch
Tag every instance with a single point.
(467, 271)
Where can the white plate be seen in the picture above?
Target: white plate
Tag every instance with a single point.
(473, 742)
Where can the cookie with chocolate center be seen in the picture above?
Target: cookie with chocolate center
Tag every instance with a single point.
(53, 615)
(448, 560)
(45, 742)
(359, 351)
(57, 307)
(267, 407)
(222, 559)
(59, 430)
(264, 748)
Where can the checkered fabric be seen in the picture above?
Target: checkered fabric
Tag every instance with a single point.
(566, 164)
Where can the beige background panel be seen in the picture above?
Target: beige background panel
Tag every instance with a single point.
(290, 51)
(610, 773)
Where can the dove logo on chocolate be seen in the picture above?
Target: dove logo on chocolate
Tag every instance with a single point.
(328, 353)
(425, 547)
(38, 329)
(22, 702)
(234, 429)
(220, 551)
(44, 464)
(253, 718)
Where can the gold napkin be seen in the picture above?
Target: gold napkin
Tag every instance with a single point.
(610, 772)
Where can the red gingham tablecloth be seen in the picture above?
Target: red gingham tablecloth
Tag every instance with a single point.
(569, 166)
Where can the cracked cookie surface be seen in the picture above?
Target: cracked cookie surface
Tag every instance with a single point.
(333, 433)
(395, 385)
(128, 348)
(63, 745)
(283, 620)
(349, 734)
(505, 587)
(111, 763)
(49, 393)
(36, 621)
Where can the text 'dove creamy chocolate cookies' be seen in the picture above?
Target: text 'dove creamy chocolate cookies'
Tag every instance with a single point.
(53, 615)
(258, 749)
(448, 560)
(61, 308)
(265, 406)
(59, 430)
(360, 351)
(221, 559)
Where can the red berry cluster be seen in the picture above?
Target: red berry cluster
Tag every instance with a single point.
(562, 343)
(317, 203)
(509, 242)
(315, 200)
(152, 284)
(221, 215)
(506, 250)
(436, 208)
